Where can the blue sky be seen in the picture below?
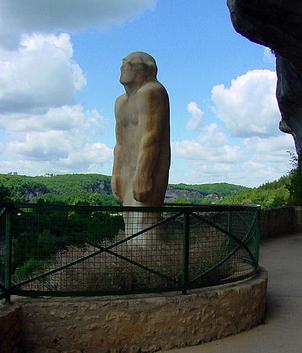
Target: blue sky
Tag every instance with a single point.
(59, 79)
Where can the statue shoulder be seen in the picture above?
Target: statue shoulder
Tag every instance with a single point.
(153, 89)
(120, 100)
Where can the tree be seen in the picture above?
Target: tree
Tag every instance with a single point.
(294, 185)
(4, 194)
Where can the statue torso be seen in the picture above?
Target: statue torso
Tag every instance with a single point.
(131, 112)
(130, 133)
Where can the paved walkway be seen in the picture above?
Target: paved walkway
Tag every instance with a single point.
(282, 330)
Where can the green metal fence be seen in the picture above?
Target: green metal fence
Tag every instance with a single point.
(59, 250)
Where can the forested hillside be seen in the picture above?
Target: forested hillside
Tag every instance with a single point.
(69, 188)
(220, 189)
(95, 189)
(285, 191)
(272, 194)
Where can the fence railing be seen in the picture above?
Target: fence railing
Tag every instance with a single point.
(59, 250)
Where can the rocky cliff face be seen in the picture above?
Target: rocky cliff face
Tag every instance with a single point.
(274, 23)
(103, 187)
(32, 191)
(173, 194)
(277, 24)
(289, 96)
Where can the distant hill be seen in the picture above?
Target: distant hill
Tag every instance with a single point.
(220, 189)
(272, 194)
(68, 188)
(202, 193)
(96, 189)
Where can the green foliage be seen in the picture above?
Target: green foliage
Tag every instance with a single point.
(285, 191)
(42, 235)
(32, 247)
(31, 267)
(21, 188)
(294, 184)
(295, 188)
(276, 184)
(94, 189)
(4, 193)
(260, 196)
(221, 189)
(88, 189)
(39, 234)
(182, 201)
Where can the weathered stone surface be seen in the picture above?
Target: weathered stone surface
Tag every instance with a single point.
(142, 323)
(173, 193)
(142, 151)
(277, 24)
(274, 23)
(277, 220)
(289, 96)
(10, 329)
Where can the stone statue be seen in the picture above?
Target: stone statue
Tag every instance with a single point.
(142, 152)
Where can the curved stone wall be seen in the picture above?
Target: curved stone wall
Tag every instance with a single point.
(142, 323)
(278, 220)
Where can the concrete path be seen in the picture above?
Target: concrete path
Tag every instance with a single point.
(282, 330)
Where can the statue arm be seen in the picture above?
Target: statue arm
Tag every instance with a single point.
(154, 116)
(117, 162)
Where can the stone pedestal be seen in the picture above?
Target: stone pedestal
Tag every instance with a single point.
(142, 323)
(139, 221)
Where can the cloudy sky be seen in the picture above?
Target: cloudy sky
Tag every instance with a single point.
(59, 77)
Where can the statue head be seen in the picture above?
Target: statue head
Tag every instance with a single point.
(138, 67)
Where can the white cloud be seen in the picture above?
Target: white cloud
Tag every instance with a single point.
(258, 154)
(42, 146)
(249, 107)
(211, 157)
(89, 157)
(63, 118)
(196, 116)
(40, 74)
(58, 142)
(95, 158)
(211, 147)
(56, 152)
(43, 129)
(19, 16)
(270, 150)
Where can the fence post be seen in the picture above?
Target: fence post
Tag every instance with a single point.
(230, 221)
(8, 255)
(186, 246)
(230, 224)
(258, 225)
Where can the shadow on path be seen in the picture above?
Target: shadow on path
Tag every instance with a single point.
(282, 329)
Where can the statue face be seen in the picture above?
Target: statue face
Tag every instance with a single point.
(133, 70)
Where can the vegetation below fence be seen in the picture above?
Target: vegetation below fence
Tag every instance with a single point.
(76, 248)
(41, 233)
